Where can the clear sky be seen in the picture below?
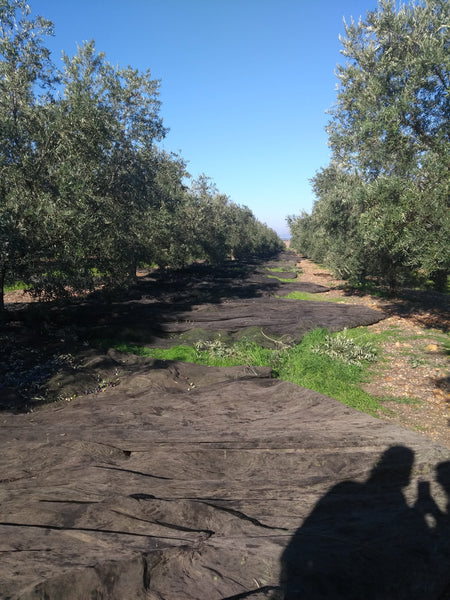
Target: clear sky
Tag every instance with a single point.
(245, 84)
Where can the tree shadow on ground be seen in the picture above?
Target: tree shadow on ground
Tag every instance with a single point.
(37, 339)
(363, 541)
(428, 308)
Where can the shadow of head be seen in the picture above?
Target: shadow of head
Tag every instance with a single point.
(393, 468)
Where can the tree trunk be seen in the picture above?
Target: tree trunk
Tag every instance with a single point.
(132, 269)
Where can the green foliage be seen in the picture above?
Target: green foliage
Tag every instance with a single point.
(330, 376)
(25, 77)
(212, 228)
(15, 286)
(347, 349)
(86, 195)
(416, 362)
(382, 205)
(446, 344)
(243, 352)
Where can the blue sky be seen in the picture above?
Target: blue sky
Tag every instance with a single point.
(245, 84)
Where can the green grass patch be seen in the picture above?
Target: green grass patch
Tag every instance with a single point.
(183, 353)
(305, 364)
(284, 280)
(445, 340)
(410, 400)
(333, 377)
(213, 353)
(284, 270)
(310, 297)
(242, 352)
(15, 286)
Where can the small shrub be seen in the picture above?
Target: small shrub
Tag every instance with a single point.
(344, 348)
(215, 348)
(243, 352)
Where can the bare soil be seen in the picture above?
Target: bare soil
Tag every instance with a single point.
(412, 379)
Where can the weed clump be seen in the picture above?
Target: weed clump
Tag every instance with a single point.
(243, 352)
(346, 349)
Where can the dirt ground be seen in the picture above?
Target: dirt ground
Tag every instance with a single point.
(413, 376)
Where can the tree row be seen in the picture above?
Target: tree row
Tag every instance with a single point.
(382, 204)
(86, 193)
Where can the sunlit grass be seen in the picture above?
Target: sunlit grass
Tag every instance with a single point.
(284, 280)
(311, 297)
(301, 364)
(284, 270)
(216, 354)
(15, 286)
(304, 366)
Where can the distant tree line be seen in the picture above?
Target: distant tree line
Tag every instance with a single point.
(86, 195)
(382, 204)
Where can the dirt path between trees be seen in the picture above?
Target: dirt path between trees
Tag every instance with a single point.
(413, 376)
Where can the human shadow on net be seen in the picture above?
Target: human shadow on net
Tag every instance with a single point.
(362, 541)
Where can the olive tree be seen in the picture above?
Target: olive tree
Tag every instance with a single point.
(25, 80)
(86, 194)
(390, 140)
